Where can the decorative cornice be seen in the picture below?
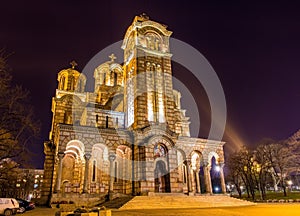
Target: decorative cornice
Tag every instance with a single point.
(155, 52)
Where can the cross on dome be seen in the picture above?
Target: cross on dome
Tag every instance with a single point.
(73, 64)
(112, 57)
(145, 16)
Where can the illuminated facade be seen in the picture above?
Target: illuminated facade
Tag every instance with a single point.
(130, 136)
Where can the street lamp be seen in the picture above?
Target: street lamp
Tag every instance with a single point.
(289, 182)
(217, 168)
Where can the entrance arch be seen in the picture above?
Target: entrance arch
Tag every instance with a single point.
(215, 176)
(161, 177)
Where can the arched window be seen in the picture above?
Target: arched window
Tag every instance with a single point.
(115, 78)
(94, 171)
(71, 83)
(104, 79)
(62, 83)
(79, 85)
(153, 41)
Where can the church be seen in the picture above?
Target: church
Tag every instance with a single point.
(129, 136)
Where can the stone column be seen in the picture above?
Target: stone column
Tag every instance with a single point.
(193, 181)
(87, 157)
(207, 178)
(59, 171)
(223, 186)
(112, 158)
(188, 175)
(198, 180)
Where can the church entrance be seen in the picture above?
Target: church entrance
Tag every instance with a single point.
(162, 178)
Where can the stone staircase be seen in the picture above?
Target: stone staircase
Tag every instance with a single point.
(168, 201)
(117, 202)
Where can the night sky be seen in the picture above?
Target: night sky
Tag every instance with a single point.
(254, 48)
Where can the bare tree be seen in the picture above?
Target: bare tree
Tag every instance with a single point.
(281, 162)
(18, 127)
(234, 175)
(262, 167)
(270, 160)
(241, 166)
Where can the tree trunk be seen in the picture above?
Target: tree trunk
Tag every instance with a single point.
(284, 191)
(275, 183)
(248, 192)
(253, 195)
(238, 190)
(284, 188)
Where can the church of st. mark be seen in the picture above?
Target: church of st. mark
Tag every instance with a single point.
(130, 136)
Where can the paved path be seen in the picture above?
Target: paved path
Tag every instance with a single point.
(40, 212)
(260, 209)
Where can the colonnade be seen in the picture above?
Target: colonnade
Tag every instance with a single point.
(193, 179)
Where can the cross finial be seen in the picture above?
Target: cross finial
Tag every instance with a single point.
(145, 16)
(112, 57)
(73, 64)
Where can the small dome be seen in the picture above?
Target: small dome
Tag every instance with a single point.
(109, 73)
(71, 80)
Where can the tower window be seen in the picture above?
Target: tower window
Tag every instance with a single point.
(62, 83)
(106, 122)
(104, 79)
(72, 83)
(94, 171)
(116, 171)
(115, 79)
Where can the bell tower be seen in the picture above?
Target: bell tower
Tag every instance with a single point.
(71, 86)
(148, 92)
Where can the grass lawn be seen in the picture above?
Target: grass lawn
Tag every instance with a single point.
(274, 195)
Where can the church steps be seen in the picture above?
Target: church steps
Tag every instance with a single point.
(169, 201)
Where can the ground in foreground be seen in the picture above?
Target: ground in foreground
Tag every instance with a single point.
(260, 209)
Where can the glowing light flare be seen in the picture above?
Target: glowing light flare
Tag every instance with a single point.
(217, 168)
(234, 138)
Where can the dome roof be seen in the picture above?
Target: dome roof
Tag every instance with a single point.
(71, 79)
(108, 65)
(70, 71)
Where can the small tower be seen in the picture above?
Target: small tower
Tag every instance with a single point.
(70, 90)
(109, 73)
(108, 82)
(71, 79)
